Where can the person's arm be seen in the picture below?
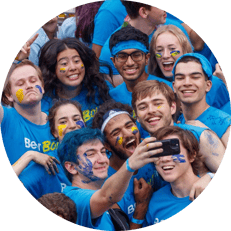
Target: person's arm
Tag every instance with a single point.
(197, 41)
(225, 137)
(47, 161)
(143, 193)
(97, 49)
(115, 186)
(218, 72)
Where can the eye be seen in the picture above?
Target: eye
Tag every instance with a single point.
(141, 108)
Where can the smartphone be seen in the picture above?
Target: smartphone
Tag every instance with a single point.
(169, 146)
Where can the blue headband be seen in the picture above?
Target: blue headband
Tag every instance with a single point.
(206, 66)
(130, 44)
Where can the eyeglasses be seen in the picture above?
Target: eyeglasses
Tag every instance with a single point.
(136, 56)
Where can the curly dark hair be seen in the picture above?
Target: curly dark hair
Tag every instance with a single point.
(128, 33)
(61, 205)
(107, 106)
(92, 78)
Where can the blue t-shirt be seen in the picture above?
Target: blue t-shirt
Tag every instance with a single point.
(121, 93)
(109, 17)
(163, 205)
(38, 182)
(150, 175)
(20, 135)
(37, 45)
(217, 120)
(82, 197)
(68, 28)
(218, 95)
(88, 109)
(226, 108)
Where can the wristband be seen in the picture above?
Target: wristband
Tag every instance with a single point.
(128, 167)
(210, 174)
(17, 61)
(136, 221)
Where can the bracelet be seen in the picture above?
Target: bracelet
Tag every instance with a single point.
(128, 167)
(17, 61)
(210, 174)
(136, 221)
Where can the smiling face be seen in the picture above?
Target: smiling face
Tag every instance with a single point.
(154, 112)
(66, 120)
(190, 83)
(131, 70)
(166, 44)
(93, 162)
(122, 135)
(173, 171)
(70, 69)
(26, 87)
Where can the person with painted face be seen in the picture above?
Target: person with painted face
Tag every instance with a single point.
(181, 171)
(64, 116)
(82, 154)
(192, 82)
(167, 45)
(71, 71)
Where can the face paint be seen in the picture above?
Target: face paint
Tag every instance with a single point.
(60, 129)
(159, 107)
(178, 158)
(158, 55)
(85, 168)
(134, 130)
(19, 95)
(40, 89)
(174, 53)
(80, 123)
(82, 66)
(62, 70)
(119, 140)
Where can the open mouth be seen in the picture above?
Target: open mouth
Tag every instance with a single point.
(153, 120)
(131, 70)
(188, 92)
(73, 77)
(168, 66)
(168, 168)
(131, 145)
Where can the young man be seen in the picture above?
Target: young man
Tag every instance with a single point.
(130, 53)
(155, 105)
(83, 156)
(181, 175)
(24, 126)
(192, 80)
(122, 138)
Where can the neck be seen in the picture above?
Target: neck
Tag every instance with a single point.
(32, 113)
(142, 25)
(86, 183)
(69, 92)
(193, 111)
(182, 186)
(131, 84)
(116, 162)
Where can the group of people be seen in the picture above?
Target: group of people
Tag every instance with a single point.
(89, 114)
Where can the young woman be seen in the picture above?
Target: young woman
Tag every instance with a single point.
(167, 45)
(71, 71)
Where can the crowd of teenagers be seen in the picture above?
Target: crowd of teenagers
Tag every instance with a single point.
(88, 117)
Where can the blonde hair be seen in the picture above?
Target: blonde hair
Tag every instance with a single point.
(153, 67)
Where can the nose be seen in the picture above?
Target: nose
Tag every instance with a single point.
(72, 125)
(130, 61)
(166, 53)
(28, 84)
(152, 108)
(187, 80)
(72, 66)
(102, 157)
(165, 159)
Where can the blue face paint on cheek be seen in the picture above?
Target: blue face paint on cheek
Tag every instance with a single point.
(85, 168)
(80, 123)
(178, 158)
(40, 89)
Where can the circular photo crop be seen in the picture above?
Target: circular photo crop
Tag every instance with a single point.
(115, 115)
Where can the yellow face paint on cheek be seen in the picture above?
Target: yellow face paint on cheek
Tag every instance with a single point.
(19, 95)
(62, 70)
(119, 140)
(60, 129)
(134, 130)
(159, 107)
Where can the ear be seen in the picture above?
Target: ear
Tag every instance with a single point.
(113, 60)
(173, 108)
(147, 56)
(143, 12)
(71, 168)
(208, 85)
(173, 85)
(10, 98)
(192, 158)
